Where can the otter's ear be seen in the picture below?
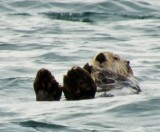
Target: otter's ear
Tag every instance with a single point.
(100, 58)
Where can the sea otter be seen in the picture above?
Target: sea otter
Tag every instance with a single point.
(112, 74)
(106, 74)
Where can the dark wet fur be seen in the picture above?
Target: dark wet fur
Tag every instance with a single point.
(106, 80)
(78, 84)
(46, 87)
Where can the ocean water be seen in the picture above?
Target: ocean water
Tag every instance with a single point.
(59, 34)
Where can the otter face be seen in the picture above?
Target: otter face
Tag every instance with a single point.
(112, 62)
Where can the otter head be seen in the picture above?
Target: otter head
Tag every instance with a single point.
(112, 62)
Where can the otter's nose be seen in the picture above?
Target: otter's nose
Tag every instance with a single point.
(101, 58)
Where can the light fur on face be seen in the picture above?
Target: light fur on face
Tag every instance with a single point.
(112, 62)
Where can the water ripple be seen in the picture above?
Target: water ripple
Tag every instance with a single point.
(34, 124)
(57, 35)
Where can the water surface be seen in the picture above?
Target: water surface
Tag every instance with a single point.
(57, 35)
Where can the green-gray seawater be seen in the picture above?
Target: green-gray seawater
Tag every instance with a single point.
(59, 34)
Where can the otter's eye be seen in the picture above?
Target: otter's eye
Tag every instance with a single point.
(116, 57)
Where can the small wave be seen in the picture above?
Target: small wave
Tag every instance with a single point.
(8, 46)
(40, 126)
(136, 16)
(24, 3)
(82, 12)
(104, 10)
(90, 17)
(20, 14)
(14, 81)
(79, 17)
(138, 108)
(5, 8)
(35, 124)
(51, 56)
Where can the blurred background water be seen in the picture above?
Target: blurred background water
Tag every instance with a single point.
(57, 35)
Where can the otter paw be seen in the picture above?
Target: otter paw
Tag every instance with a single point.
(46, 87)
(88, 68)
(78, 84)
